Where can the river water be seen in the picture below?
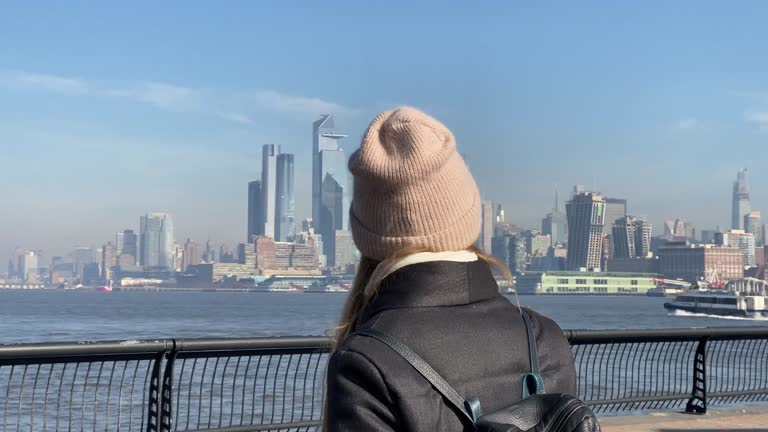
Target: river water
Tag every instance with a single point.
(43, 316)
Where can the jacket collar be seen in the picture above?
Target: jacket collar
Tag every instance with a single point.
(434, 284)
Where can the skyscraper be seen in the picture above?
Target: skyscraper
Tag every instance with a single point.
(615, 209)
(499, 214)
(331, 190)
(130, 244)
(269, 187)
(332, 213)
(631, 237)
(255, 210)
(285, 205)
(555, 224)
(753, 225)
(27, 268)
(741, 240)
(108, 257)
(191, 255)
(740, 204)
(486, 232)
(586, 217)
(156, 241)
(119, 236)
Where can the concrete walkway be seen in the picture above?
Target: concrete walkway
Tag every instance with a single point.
(751, 419)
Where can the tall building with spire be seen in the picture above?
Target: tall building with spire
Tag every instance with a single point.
(740, 204)
(555, 224)
(586, 218)
(331, 189)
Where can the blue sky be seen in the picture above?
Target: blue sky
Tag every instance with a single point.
(108, 111)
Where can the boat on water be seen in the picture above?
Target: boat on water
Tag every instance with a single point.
(742, 298)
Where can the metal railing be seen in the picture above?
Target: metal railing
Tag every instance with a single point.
(271, 384)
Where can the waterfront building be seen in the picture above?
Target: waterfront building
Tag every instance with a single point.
(221, 271)
(331, 189)
(256, 210)
(272, 257)
(753, 225)
(709, 263)
(285, 227)
(156, 246)
(615, 209)
(631, 237)
(583, 283)
(586, 216)
(740, 203)
(269, 154)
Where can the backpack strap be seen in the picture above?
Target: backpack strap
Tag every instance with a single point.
(532, 381)
(422, 367)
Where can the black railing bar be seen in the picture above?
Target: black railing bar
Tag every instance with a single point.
(262, 427)
(83, 348)
(76, 359)
(248, 353)
(250, 344)
(583, 337)
(711, 395)
(641, 399)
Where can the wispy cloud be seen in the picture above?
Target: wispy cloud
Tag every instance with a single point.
(44, 82)
(759, 118)
(274, 101)
(233, 106)
(688, 123)
(236, 117)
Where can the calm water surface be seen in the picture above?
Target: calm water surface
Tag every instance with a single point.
(40, 316)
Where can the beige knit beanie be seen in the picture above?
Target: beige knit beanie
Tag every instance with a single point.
(411, 187)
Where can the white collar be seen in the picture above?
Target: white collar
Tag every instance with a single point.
(421, 257)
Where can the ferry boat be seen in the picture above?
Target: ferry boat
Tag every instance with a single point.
(742, 298)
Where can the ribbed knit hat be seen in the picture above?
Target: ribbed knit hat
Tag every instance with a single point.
(411, 187)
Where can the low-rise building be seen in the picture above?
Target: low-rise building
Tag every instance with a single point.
(701, 263)
(584, 283)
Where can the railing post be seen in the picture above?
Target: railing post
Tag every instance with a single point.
(154, 393)
(698, 402)
(166, 407)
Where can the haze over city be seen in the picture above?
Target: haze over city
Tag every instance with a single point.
(110, 112)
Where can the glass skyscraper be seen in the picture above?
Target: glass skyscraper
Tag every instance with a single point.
(331, 190)
(156, 241)
(586, 218)
(285, 204)
(269, 187)
(255, 210)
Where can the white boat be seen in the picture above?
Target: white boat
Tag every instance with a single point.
(744, 297)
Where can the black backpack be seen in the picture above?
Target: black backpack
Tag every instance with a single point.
(536, 412)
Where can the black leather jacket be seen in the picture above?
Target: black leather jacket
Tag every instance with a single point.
(450, 313)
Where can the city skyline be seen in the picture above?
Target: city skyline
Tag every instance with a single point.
(89, 145)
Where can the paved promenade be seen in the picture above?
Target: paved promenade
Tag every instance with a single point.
(751, 419)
